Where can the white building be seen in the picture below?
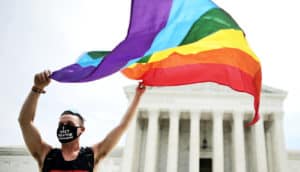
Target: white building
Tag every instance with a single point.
(194, 128)
(201, 127)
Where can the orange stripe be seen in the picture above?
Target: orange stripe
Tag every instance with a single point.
(229, 56)
(219, 73)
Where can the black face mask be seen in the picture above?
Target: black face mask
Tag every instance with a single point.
(66, 133)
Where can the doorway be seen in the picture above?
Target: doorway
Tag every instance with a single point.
(205, 165)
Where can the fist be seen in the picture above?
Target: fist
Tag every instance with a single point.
(42, 79)
(140, 89)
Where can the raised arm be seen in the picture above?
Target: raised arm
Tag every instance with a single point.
(37, 147)
(103, 148)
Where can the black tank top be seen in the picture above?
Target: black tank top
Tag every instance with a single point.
(54, 161)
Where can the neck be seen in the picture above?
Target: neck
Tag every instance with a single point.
(71, 147)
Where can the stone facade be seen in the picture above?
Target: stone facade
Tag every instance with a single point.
(294, 161)
(202, 127)
(16, 159)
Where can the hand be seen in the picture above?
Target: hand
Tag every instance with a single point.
(41, 80)
(140, 89)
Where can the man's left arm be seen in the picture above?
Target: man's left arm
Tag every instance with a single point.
(104, 147)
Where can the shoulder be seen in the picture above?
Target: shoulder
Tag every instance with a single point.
(51, 157)
(53, 153)
(87, 150)
(87, 156)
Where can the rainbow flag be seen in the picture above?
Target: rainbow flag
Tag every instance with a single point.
(176, 42)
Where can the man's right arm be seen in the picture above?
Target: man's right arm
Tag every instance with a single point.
(37, 147)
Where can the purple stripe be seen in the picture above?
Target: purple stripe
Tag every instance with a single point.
(72, 73)
(145, 13)
(147, 20)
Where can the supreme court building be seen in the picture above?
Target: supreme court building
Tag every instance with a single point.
(202, 127)
(194, 128)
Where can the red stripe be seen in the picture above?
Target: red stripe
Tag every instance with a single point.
(219, 73)
(228, 56)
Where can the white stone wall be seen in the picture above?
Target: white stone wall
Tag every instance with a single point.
(294, 161)
(110, 164)
(17, 163)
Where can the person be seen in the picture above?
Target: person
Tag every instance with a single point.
(71, 156)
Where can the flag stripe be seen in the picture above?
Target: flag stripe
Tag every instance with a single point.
(225, 38)
(73, 73)
(228, 56)
(86, 60)
(210, 22)
(187, 12)
(145, 14)
(219, 73)
(213, 20)
(136, 43)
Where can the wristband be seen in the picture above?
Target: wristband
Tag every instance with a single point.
(38, 90)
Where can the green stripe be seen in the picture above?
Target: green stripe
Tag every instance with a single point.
(213, 20)
(97, 54)
(145, 59)
(210, 22)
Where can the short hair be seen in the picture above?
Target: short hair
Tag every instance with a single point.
(69, 112)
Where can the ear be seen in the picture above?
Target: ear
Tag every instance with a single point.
(82, 129)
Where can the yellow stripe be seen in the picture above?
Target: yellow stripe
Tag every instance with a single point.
(228, 38)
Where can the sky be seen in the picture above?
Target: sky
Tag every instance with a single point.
(37, 35)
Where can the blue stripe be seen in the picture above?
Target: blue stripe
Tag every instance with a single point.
(184, 13)
(85, 60)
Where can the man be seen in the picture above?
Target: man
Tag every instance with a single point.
(71, 156)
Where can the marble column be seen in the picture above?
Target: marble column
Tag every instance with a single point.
(129, 151)
(259, 145)
(172, 159)
(152, 141)
(194, 141)
(279, 150)
(218, 147)
(239, 163)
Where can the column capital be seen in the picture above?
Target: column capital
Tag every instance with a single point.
(217, 114)
(277, 116)
(174, 113)
(237, 115)
(153, 113)
(195, 114)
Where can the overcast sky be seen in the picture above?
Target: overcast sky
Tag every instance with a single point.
(37, 35)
